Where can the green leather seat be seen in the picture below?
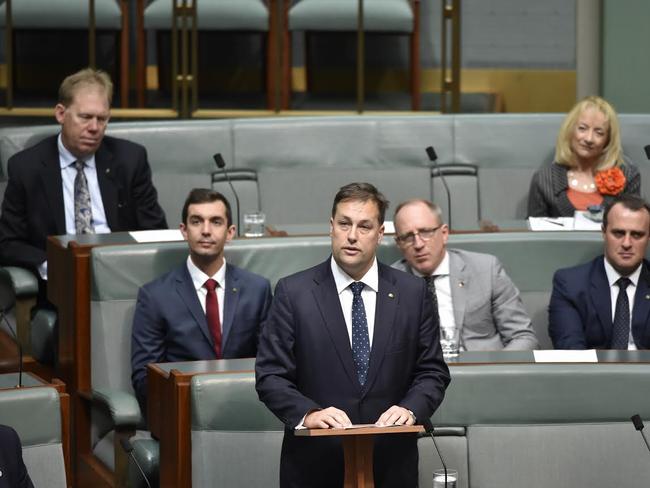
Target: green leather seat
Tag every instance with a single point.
(35, 413)
(30, 14)
(240, 15)
(379, 16)
(248, 16)
(341, 15)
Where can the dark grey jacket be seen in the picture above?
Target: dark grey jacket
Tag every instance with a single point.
(547, 196)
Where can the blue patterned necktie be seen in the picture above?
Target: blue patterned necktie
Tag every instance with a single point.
(360, 338)
(83, 215)
(621, 326)
(431, 285)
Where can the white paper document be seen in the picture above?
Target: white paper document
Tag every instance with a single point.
(550, 223)
(565, 356)
(166, 235)
(583, 223)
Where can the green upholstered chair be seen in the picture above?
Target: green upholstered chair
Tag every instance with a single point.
(249, 16)
(110, 15)
(35, 413)
(399, 17)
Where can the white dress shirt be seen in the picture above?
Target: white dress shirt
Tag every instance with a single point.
(68, 174)
(198, 280)
(443, 292)
(612, 278)
(368, 295)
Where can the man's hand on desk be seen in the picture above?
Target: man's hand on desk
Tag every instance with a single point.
(330, 417)
(395, 415)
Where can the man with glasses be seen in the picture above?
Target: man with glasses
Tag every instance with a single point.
(473, 292)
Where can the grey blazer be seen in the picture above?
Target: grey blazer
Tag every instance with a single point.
(547, 196)
(487, 307)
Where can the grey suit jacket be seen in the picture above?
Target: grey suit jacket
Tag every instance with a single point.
(487, 307)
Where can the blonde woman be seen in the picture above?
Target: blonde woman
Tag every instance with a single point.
(589, 167)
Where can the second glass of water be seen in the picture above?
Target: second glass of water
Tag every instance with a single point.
(439, 478)
(449, 341)
(254, 224)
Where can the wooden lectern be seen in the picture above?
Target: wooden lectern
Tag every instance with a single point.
(358, 444)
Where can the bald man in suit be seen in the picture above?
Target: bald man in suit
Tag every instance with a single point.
(473, 292)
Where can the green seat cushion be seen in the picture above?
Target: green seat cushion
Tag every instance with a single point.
(341, 15)
(213, 15)
(47, 14)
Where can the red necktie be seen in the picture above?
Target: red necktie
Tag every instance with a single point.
(212, 314)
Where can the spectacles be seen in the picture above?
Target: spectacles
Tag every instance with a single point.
(409, 239)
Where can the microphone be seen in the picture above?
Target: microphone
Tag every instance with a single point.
(428, 426)
(647, 151)
(636, 419)
(221, 164)
(128, 448)
(433, 157)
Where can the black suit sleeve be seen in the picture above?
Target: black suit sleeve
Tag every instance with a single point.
(430, 375)
(537, 203)
(565, 325)
(275, 368)
(11, 460)
(17, 240)
(148, 213)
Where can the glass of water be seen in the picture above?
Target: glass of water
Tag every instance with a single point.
(449, 341)
(439, 478)
(254, 224)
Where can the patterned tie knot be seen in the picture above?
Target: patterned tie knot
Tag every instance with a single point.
(356, 288)
(211, 284)
(79, 165)
(623, 283)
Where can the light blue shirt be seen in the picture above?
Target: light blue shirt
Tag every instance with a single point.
(68, 174)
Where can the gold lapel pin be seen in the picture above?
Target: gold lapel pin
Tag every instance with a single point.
(390, 295)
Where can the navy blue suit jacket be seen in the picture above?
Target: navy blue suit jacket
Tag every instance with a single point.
(33, 208)
(13, 473)
(580, 311)
(304, 362)
(169, 324)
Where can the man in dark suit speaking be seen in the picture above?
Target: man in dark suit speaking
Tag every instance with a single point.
(605, 303)
(350, 341)
(204, 309)
(76, 182)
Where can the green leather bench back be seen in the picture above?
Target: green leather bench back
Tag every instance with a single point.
(292, 166)
(35, 413)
